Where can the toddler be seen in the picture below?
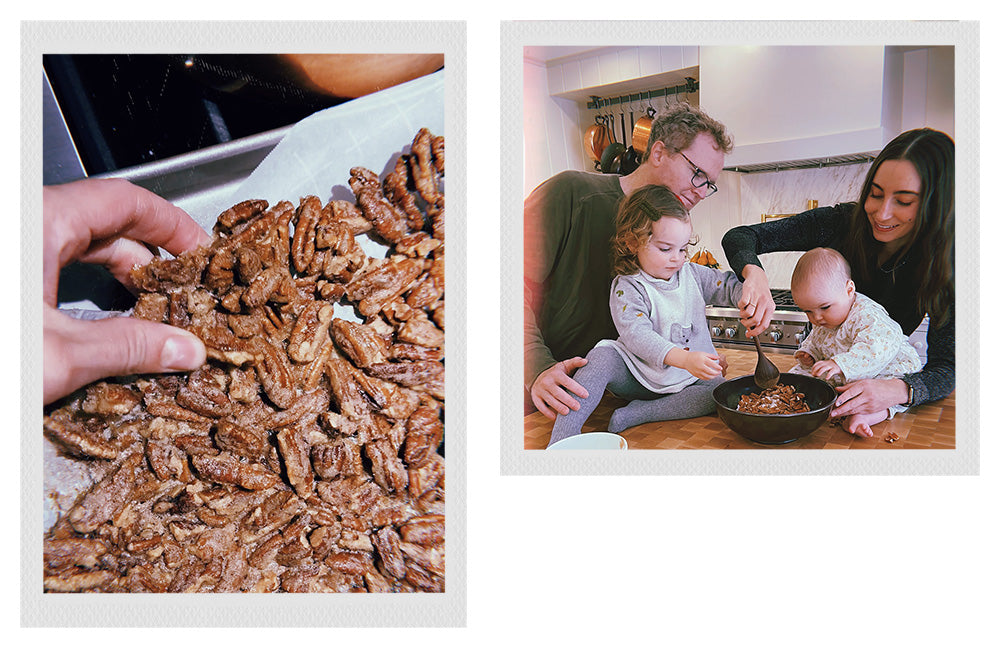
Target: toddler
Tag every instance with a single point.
(663, 361)
(853, 337)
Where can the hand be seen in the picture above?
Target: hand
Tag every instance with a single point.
(108, 222)
(553, 388)
(724, 363)
(700, 364)
(826, 370)
(869, 396)
(756, 303)
(804, 359)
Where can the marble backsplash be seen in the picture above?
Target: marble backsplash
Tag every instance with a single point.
(789, 192)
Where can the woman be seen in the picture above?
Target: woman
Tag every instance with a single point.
(900, 241)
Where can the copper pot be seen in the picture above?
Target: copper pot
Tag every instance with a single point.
(640, 132)
(595, 140)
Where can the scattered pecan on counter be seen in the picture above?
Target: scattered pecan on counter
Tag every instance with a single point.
(304, 456)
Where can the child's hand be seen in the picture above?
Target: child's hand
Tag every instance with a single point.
(804, 359)
(723, 363)
(702, 365)
(826, 369)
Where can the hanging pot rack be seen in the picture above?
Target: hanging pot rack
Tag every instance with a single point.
(689, 87)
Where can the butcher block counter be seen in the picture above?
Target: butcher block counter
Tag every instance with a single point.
(926, 426)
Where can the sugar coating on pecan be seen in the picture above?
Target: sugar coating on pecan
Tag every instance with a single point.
(306, 454)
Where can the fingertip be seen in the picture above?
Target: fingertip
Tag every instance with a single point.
(182, 351)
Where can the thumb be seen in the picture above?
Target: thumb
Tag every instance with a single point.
(78, 352)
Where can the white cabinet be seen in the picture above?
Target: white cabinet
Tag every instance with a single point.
(799, 102)
(607, 71)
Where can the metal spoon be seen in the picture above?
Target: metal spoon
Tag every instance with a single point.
(766, 375)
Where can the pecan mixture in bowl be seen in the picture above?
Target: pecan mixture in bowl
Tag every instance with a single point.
(780, 399)
(305, 455)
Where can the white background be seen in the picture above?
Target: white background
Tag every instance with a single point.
(684, 561)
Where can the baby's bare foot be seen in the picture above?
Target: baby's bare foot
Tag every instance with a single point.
(860, 424)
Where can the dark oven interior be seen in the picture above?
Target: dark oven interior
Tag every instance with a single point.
(123, 110)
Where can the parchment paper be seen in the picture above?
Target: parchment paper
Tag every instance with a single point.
(316, 155)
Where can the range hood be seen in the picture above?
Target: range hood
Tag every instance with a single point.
(809, 163)
(802, 106)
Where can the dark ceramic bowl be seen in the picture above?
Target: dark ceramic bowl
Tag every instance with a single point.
(774, 429)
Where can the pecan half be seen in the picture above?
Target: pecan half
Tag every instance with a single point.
(241, 213)
(107, 498)
(389, 221)
(387, 470)
(396, 189)
(162, 274)
(246, 441)
(386, 541)
(424, 433)
(66, 552)
(425, 173)
(295, 452)
(339, 459)
(263, 286)
(424, 530)
(248, 265)
(275, 375)
(76, 439)
(362, 344)
(381, 283)
(225, 468)
(310, 332)
(304, 239)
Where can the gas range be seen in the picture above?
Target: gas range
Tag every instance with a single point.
(789, 326)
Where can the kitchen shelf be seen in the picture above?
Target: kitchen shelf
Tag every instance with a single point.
(689, 87)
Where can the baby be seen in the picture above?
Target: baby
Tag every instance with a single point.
(663, 361)
(853, 337)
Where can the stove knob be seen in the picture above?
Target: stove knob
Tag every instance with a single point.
(716, 331)
(731, 332)
(775, 335)
(801, 335)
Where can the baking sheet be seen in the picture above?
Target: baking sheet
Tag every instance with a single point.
(313, 158)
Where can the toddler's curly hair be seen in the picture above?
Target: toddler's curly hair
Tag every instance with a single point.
(634, 224)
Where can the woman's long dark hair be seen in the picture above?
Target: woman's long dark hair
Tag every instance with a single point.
(931, 246)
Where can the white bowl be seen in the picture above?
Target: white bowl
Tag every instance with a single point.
(591, 441)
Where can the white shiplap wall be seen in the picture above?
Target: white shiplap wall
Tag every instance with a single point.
(552, 130)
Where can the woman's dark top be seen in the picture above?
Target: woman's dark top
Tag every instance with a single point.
(894, 286)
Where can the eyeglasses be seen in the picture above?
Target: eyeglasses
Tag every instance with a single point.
(700, 178)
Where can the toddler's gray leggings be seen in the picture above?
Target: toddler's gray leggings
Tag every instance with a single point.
(605, 369)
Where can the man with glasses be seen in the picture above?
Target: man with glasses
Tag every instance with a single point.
(568, 223)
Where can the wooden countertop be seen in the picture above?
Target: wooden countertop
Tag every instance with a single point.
(925, 426)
